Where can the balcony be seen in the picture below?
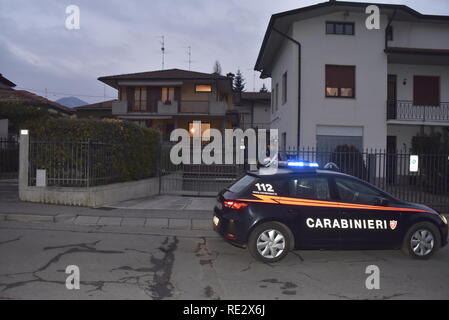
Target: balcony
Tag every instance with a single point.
(407, 111)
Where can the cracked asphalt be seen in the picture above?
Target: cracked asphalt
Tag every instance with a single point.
(126, 263)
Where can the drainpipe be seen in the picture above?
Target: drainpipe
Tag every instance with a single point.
(390, 20)
(299, 81)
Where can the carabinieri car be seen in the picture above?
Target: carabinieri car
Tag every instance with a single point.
(303, 207)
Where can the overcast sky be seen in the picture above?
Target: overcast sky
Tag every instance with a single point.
(37, 52)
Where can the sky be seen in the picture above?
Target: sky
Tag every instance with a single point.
(39, 54)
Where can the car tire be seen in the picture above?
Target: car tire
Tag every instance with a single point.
(422, 241)
(270, 242)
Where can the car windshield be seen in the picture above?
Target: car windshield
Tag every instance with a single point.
(241, 184)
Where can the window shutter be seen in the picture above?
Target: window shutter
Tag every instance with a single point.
(426, 91)
(154, 94)
(340, 76)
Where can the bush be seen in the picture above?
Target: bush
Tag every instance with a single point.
(133, 155)
(19, 113)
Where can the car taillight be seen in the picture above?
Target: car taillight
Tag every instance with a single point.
(235, 205)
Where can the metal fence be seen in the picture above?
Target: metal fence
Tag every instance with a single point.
(73, 163)
(9, 158)
(390, 171)
(194, 179)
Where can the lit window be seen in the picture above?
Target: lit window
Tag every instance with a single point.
(193, 127)
(203, 88)
(340, 81)
(140, 99)
(168, 95)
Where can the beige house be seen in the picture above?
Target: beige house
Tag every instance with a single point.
(174, 98)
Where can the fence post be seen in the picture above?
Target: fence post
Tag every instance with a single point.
(24, 151)
(88, 162)
(159, 167)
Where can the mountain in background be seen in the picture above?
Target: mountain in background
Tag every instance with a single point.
(71, 102)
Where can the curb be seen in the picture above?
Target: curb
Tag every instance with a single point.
(84, 220)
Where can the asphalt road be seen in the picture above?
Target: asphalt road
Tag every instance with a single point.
(126, 263)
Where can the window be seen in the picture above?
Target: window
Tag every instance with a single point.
(168, 95)
(356, 192)
(276, 101)
(426, 91)
(284, 88)
(343, 28)
(203, 88)
(340, 81)
(204, 126)
(242, 184)
(316, 188)
(390, 33)
(140, 99)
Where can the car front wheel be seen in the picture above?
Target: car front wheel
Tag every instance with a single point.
(422, 240)
(269, 242)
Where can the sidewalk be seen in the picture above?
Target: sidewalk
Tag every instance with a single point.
(162, 212)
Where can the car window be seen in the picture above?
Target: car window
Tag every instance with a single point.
(356, 192)
(316, 188)
(242, 183)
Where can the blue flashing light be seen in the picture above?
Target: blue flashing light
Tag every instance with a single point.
(302, 164)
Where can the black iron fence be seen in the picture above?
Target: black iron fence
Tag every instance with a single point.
(9, 157)
(195, 178)
(390, 171)
(73, 163)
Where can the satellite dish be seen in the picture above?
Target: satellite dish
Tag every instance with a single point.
(331, 166)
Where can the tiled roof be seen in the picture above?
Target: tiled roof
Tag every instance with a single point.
(6, 81)
(169, 74)
(26, 96)
(104, 105)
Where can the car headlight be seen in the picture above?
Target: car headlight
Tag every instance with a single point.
(443, 218)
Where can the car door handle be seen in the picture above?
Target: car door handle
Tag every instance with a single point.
(293, 211)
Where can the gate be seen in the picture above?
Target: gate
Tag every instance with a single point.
(9, 158)
(194, 179)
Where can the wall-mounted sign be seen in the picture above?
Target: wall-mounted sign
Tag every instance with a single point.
(414, 161)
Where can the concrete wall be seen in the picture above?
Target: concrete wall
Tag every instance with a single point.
(93, 196)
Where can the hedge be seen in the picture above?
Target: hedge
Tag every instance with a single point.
(134, 149)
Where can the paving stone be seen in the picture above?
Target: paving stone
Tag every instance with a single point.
(29, 218)
(157, 223)
(86, 220)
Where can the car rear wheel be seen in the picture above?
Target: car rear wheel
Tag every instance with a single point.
(422, 240)
(269, 242)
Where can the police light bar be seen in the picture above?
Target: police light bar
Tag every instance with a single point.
(301, 164)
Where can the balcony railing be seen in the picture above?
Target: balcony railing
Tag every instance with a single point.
(406, 110)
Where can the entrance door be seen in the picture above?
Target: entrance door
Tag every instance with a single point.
(392, 96)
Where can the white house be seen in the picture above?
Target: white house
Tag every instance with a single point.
(334, 81)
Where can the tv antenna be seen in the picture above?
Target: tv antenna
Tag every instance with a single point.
(189, 54)
(163, 50)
